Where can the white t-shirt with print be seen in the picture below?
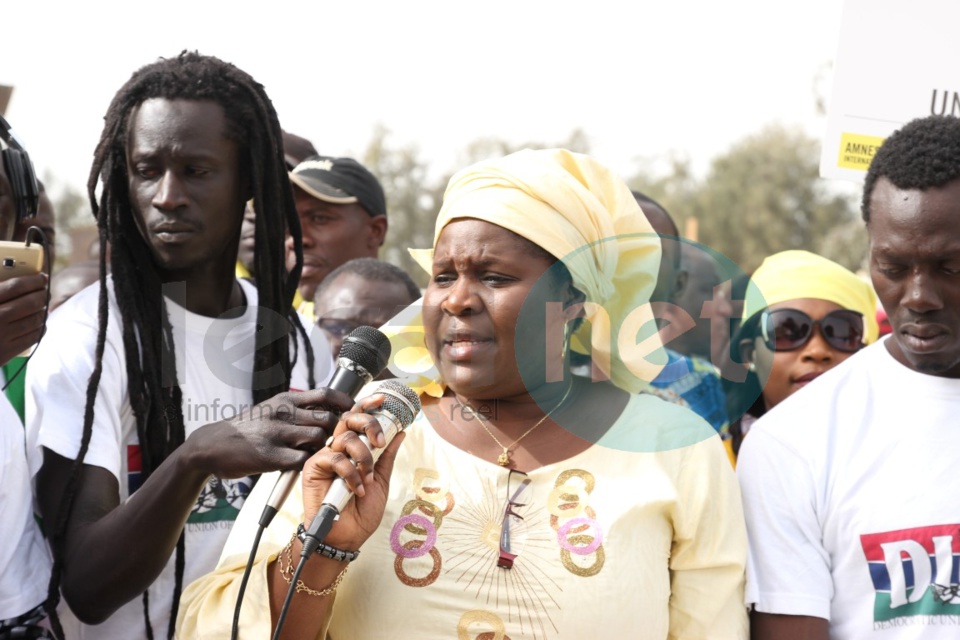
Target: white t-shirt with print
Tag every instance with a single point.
(24, 558)
(214, 364)
(852, 498)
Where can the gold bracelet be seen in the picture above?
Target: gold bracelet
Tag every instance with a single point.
(287, 573)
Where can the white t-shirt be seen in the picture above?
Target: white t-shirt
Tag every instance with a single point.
(24, 559)
(852, 500)
(214, 364)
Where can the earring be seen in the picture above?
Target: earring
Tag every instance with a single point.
(565, 347)
(751, 367)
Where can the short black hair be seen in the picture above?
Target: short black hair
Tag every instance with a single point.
(372, 269)
(643, 198)
(923, 154)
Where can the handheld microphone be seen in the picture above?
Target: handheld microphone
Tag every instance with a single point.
(400, 406)
(363, 356)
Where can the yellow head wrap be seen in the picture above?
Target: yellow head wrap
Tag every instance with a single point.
(790, 275)
(583, 214)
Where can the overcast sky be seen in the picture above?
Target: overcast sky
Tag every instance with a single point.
(642, 79)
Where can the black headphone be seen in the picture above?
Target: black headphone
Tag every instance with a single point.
(19, 169)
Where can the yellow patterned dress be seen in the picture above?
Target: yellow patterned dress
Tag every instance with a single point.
(640, 536)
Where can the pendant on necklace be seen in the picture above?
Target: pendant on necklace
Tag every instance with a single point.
(504, 458)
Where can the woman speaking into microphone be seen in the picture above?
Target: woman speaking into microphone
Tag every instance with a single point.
(523, 502)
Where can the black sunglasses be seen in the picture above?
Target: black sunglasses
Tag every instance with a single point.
(506, 550)
(790, 329)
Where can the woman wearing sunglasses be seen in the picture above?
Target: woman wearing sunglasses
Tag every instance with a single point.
(803, 315)
(524, 502)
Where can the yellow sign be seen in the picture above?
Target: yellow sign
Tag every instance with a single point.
(856, 151)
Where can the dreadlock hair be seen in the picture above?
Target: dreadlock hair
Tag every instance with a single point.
(923, 154)
(153, 390)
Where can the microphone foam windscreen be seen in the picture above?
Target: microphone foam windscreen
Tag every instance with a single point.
(368, 347)
(405, 412)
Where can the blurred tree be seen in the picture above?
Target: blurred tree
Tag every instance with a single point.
(847, 244)
(492, 147)
(763, 196)
(412, 199)
(670, 181)
(72, 211)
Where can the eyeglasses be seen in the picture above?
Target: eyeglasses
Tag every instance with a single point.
(506, 551)
(790, 329)
(336, 327)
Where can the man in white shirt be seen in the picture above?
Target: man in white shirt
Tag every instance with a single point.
(24, 559)
(850, 485)
(141, 397)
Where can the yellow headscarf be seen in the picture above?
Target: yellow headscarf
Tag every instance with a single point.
(583, 214)
(790, 275)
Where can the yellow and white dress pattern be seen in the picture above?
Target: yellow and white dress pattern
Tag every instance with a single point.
(621, 541)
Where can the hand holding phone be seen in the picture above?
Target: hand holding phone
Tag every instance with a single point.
(17, 259)
(22, 313)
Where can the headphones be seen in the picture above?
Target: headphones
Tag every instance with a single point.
(19, 170)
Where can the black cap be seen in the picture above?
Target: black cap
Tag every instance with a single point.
(296, 149)
(340, 181)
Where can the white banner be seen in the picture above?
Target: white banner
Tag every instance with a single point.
(897, 60)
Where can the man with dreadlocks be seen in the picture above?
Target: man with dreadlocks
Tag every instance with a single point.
(850, 485)
(141, 396)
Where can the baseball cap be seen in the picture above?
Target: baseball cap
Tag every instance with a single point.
(296, 149)
(340, 181)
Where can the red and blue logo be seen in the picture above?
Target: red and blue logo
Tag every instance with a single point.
(915, 572)
(134, 468)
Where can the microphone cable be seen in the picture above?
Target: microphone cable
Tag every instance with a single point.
(289, 597)
(362, 358)
(400, 407)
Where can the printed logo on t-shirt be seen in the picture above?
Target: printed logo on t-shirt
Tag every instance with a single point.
(220, 501)
(916, 575)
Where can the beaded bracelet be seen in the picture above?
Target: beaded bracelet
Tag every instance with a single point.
(327, 551)
(286, 570)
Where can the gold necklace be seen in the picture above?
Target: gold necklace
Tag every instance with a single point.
(504, 458)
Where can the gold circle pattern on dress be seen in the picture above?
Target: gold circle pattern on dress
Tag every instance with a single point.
(486, 618)
(566, 503)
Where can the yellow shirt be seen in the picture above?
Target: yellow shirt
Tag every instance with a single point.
(305, 307)
(242, 272)
(641, 539)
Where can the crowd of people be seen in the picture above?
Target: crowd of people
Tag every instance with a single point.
(619, 433)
